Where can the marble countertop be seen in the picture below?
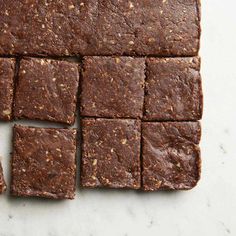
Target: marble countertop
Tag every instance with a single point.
(206, 210)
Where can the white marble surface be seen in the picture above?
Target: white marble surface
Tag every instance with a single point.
(209, 209)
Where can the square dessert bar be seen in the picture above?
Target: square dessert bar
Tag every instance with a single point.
(100, 27)
(147, 27)
(7, 67)
(44, 162)
(170, 155)
(110, 153)
(113, 87)
(173, 90)
(2, 181)
(47, 90)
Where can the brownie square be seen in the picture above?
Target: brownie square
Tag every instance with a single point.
(7, 67)
(56, 28)
(163, 28)
(43, 162)
(110, 153)
(47, 90)
(170, 155)
(2, 181)
(173, 89)
(113, 87)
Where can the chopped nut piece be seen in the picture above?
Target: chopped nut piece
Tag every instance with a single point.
(131, 5)
(124, 141)
(131, 42)
(7, 112)
(95, 162)
(118, 60)
(71, 7)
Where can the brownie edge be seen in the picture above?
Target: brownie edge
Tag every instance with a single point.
(7, 69)
(3, 186)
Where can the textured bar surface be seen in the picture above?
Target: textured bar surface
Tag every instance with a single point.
(100, 27)
(113, 87)
(171, 155)
(47, 90)
(110, 153)
(173, 89)
(43, 162)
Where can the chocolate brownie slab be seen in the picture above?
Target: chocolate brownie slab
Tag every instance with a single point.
(163, 27)
(47, 90)
(7, 67)
(110, 153)
(46, 27)
(43, 162)
(2, 181)
(100, 27)
(173, 89)
(170, 155)
(113, 87)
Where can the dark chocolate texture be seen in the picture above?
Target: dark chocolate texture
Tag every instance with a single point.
(110, 153)
(171, 155)
(7, 67)
(47, 90)
(173, 89)
(43, 162)
(113, 87)
(100, 27)
(2, 181)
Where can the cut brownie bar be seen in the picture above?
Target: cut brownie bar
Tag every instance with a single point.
(110, 153)
(7, 67)
(113, 87)
(173, 89)
(47, 27)
(47, 90)
(171, 156)
(43, 162)
(100, 27)
(164, 27)
(2, 181)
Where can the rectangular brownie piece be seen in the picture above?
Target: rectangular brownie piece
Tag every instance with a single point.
(44, 162)
(100, 27)
(112, 87)
(46, 27)
(2, 181)
(7, 67)
(47, 90)
(163, 28)
(173, 90)
(110, 153)
(170, 155)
